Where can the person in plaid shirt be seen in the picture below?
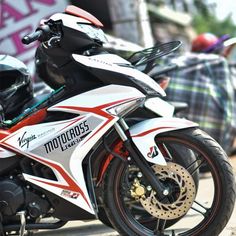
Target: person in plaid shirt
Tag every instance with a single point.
(203, 81)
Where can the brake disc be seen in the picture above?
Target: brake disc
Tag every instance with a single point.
(181, 197)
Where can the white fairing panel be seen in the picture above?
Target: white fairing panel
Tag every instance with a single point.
(100, 96)
(63, 145)
(143, 135)
(80, 24)
(4, 153)
(160, 107)
(69, 20)
(112, 62)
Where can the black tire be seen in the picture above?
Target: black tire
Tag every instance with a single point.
(102, 216)
(223, 198)
(181, 156)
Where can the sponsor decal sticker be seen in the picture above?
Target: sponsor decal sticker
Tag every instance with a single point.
(69, 194)
(153, 152)
(69, 138)
(24, 140)
(46, 133)
(100, 61)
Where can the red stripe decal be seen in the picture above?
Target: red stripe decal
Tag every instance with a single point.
(99, 110)
(150, 131)
(72, 186)
(71, 123)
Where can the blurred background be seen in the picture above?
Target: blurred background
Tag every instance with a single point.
(142, 22)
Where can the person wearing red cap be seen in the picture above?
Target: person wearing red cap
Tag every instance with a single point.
(208, 43)
(204, 82)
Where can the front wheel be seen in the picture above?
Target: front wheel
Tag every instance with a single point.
(195, 210)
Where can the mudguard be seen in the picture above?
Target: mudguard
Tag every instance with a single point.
(143, 135)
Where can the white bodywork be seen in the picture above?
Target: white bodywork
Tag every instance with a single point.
(143, 135)
(160, 107)
(63, 145)
(114, 63)
(80, 24)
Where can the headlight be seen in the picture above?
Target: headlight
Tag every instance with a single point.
(125, 108)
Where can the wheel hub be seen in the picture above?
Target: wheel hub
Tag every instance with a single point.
(180, 198)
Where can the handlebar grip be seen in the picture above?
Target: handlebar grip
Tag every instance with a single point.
(32, 37)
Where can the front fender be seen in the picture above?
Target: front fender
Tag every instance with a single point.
(143, 135)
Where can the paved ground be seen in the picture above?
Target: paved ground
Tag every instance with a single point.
(96, 228)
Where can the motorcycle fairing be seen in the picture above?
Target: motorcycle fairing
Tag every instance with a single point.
(32, 141)
(63, 145)
(143, 135)
(154, 104)
(114, 63)
(5, 153)
(81, 24)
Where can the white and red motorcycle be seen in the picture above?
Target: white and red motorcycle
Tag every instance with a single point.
(78, 148)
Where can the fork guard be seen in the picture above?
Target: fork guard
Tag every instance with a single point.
(143, 135)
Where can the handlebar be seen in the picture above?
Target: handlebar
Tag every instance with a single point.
(40, 34)
(27, 39)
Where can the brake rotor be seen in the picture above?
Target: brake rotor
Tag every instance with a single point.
(181, 197)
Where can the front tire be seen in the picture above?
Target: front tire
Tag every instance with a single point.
(213, 216)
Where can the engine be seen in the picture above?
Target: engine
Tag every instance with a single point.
(11, 197)
(14, 198)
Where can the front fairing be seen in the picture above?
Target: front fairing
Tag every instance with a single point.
(62, 145)
(112, 69)
(143, 135)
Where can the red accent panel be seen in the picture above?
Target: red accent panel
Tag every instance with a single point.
(150, 131)
(33, 119)
(76, 11)
(97, 110)
(4, 133)
(72, 186)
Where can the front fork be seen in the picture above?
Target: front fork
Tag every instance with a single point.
(138, 158)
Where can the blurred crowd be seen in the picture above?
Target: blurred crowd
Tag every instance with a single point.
(205, 80)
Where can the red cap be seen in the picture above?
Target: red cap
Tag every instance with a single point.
(203, 41)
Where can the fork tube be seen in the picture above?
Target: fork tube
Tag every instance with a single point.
(141, 162)
(120, 131)
(123, 124)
